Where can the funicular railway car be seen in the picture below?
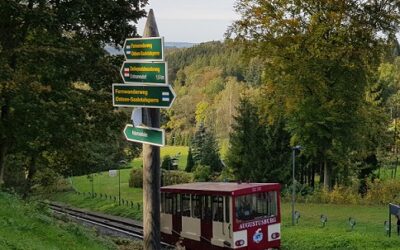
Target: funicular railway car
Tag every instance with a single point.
(221, 215)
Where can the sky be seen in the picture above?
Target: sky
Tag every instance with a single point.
(192, 21)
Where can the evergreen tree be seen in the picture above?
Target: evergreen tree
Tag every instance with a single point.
(205, 149)
(244, 140)
(258, 152)
(190, 161)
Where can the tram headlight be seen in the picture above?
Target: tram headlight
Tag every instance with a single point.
(239, 243)
(275, 235)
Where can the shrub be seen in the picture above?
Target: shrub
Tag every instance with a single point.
(380, 192)
(176, 177)
(202, 173)
(136, 178)
(166, 162)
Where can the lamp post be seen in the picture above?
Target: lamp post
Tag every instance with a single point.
(294, 180)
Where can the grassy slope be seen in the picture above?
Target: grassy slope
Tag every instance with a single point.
(105, 184)
(308, 234)
(368, 233)
(23, 226)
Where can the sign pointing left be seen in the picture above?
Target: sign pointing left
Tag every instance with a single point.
(145, 135)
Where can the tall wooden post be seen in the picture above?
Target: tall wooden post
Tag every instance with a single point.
(151, 166)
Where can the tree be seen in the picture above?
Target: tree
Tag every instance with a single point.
(190, 161)
(55, 79)
(258, 151)
(245, 142)
(205, 149)
(312, 51)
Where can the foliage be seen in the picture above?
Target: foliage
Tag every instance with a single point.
(190, 161)
(206, 79)
(258, 151)
(202, 173)
(55, 83)
(175, 177)
(383, 192)
(136, 178)
(312, 50)
(167, 163)
(205, 149)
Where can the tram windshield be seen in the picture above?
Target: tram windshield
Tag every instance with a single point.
(256, 206)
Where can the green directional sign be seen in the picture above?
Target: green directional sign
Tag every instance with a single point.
(147, 96)
(145, 135)
(144, 49)
(144, 72)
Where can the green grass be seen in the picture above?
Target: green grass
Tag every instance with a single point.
(28, 226)
(368, 233)
(386, 173)
(175, 150)
(172, 151)
(105, 184)
(97, 204)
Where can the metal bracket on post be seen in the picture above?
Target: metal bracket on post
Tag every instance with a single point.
(136, 117)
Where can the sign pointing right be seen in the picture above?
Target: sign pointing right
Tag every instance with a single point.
(147, 96)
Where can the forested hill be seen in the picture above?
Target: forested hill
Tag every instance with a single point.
(208, 79)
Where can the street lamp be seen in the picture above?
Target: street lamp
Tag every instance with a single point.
(294, 181)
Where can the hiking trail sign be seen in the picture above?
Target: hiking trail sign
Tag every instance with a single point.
(144, 72)
(144, 49)
(152, 136)
(146, 96)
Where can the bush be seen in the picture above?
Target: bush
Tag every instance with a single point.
(176, 177)
(136, 178)
(380, 192)
(169, 163)
(202, 173)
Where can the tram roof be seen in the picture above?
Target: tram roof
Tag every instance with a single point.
(232, 188)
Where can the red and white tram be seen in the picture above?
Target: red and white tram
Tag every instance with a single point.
(222, 215)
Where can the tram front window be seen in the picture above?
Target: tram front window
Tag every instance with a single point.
(256, 206)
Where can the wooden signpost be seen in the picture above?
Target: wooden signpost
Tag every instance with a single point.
(145, 76)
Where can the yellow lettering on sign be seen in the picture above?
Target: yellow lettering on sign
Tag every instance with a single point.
(142, 46)
(144, 69)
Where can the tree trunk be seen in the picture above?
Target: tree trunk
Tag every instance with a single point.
(3, 151)
(151, 167)
(321, 173)
(326, 176)
(312, 181)
(29, 177)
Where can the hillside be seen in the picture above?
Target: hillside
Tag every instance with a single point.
(30, 226)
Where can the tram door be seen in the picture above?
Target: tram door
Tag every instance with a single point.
(206, 218)
(176, 214)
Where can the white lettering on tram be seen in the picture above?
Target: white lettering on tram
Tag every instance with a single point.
(257, 223)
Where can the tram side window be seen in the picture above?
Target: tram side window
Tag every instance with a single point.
(272, 201)
(218, 208)
(162, 206)
(176, 204)
(206, 209)
(227, 205)
(186, 205)
(168, 203)
(196, 206)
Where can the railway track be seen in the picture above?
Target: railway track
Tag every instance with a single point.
(115, 224)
